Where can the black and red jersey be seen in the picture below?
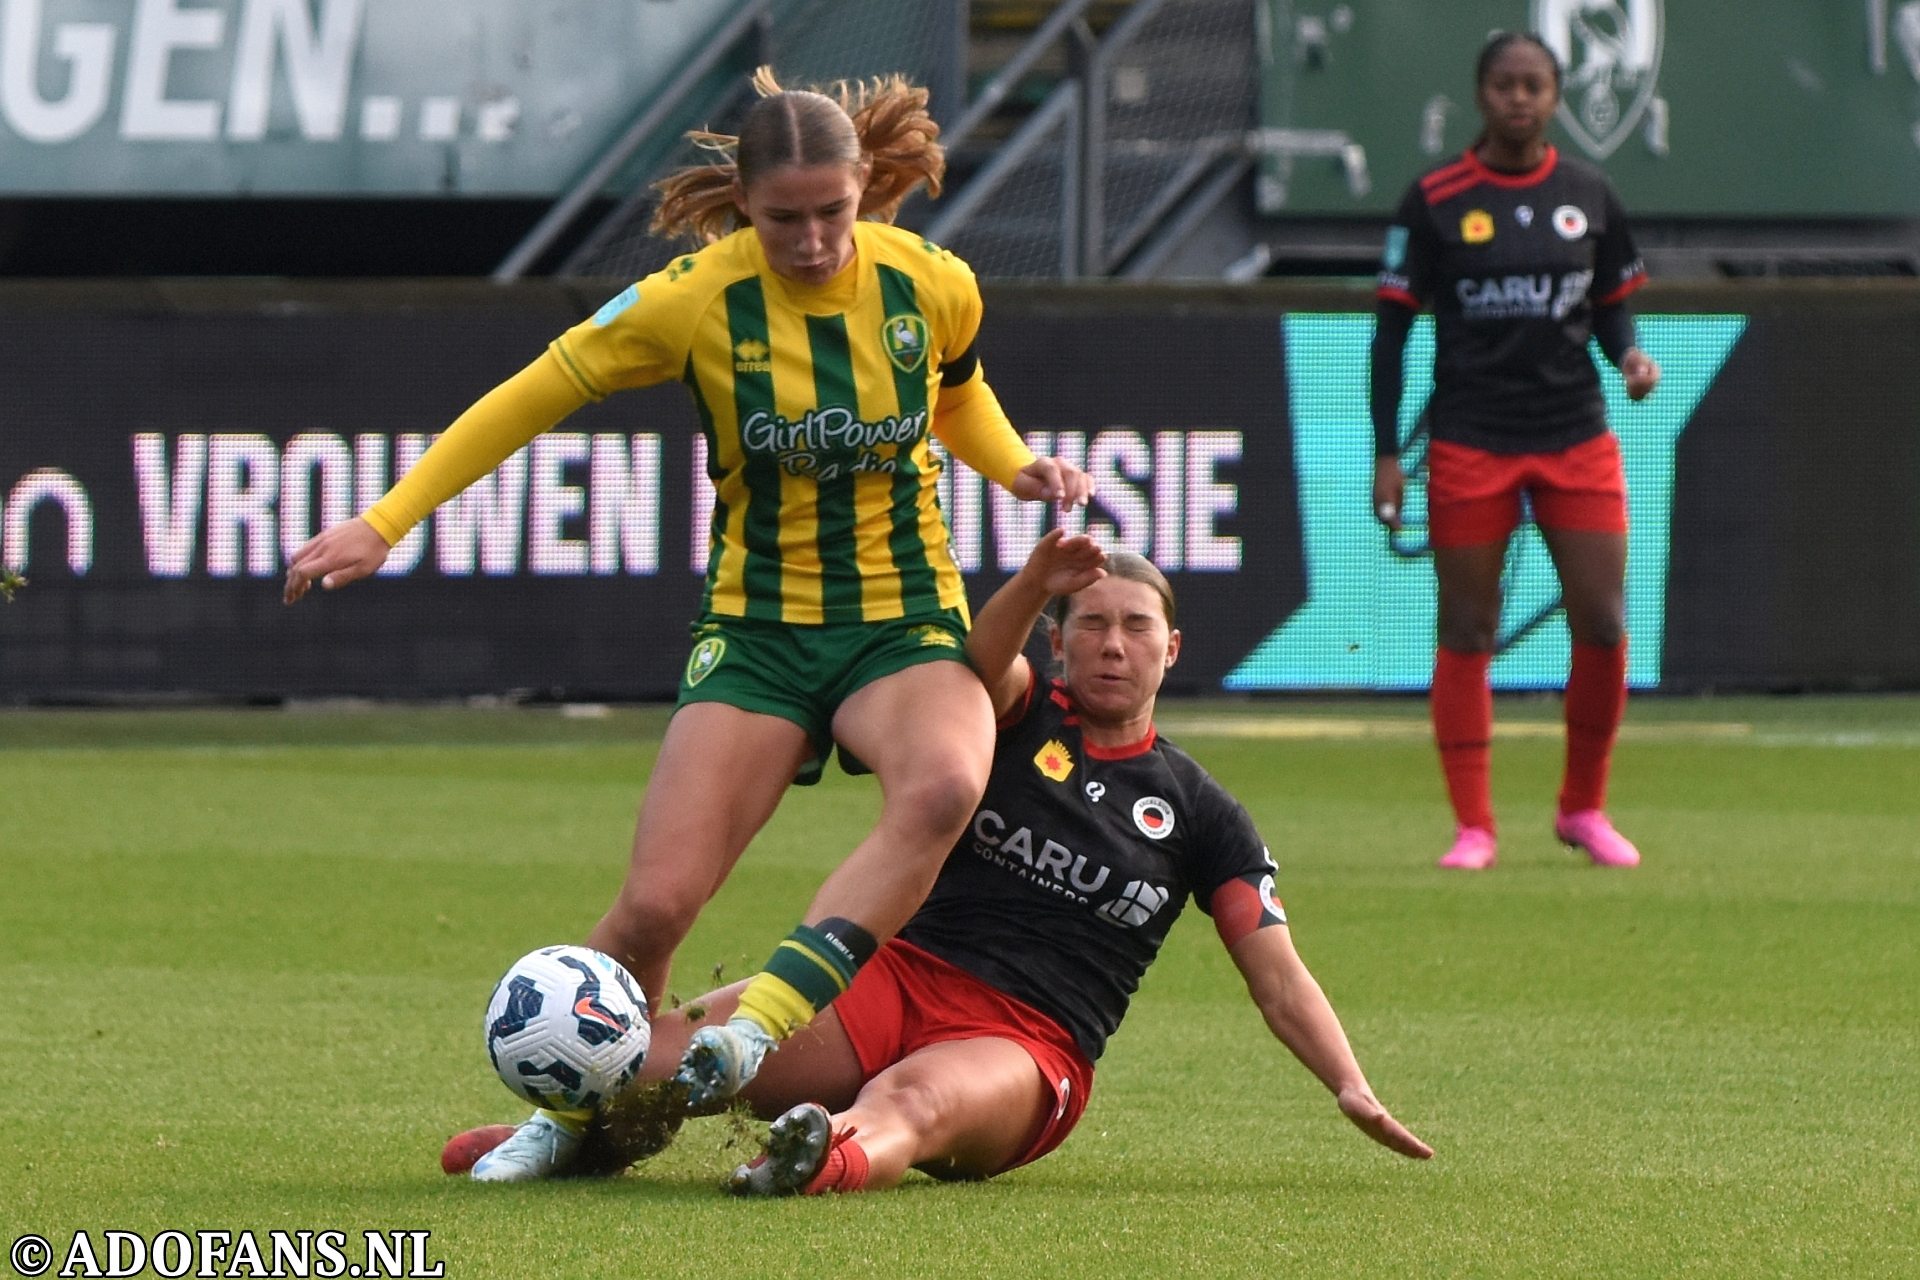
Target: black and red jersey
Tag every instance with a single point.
(1512, 265)
(1077, 863)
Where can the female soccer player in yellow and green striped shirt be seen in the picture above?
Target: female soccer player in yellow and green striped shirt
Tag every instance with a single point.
(822, 347)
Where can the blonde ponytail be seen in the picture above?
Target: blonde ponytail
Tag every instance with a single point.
(883, 122)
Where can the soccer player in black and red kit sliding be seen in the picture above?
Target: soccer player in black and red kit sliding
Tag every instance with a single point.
(965, 1047)
(1523, 255)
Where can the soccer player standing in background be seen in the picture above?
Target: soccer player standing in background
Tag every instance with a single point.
(821, 346)
(1523, 256)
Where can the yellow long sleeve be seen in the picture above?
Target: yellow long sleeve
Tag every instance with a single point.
(532, 401)
(968, 420)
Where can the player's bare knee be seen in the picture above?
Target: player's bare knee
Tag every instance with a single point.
(1606, 633)
(940, 802)
(1467, 636)
(651, 921)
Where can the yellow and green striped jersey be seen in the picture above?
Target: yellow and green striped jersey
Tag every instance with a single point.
(816, 403)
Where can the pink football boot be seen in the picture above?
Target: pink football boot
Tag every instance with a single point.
(1589, 831)
(1473, 850)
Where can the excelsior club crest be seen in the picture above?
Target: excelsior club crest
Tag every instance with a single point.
(1610, 50)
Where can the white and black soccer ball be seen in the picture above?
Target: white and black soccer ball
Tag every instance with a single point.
(567, 1028)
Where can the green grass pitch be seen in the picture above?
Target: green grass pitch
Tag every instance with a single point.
(244, 956)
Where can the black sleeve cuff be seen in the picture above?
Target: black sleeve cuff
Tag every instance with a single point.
(1613, 327)
(1392, 323)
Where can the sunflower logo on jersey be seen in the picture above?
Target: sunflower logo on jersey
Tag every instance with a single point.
(1477, 227)
(750, 355)
(905, 337)
(705, 657)
(1053, 761)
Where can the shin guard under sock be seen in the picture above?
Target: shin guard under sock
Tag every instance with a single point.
(807, 973)
(1463, 730)
(1596, 699)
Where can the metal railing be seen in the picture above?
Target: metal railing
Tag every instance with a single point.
(1104, 178)
(1145, 137)
(750, 20)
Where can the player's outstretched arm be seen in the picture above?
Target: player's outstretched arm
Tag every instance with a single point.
(969, 421)
(1298, 1013)
(507, 417)
(1059, 566)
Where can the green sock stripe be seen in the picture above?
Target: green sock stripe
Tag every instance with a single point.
(811, 965)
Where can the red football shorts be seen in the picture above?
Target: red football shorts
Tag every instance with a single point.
(906, 999)
(1473, 496)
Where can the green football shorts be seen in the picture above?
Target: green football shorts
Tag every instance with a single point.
(803, 673)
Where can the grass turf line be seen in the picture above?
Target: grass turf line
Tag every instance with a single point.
(243, 959)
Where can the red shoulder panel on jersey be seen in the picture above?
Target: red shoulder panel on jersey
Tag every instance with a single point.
(1626, 287)
(1442, 194)
(1447, 173)
(1400, 296)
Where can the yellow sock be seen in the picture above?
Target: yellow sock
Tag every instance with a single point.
(774, 1004)
(574, 1122)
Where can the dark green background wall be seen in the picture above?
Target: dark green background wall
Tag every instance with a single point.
(1774, 107)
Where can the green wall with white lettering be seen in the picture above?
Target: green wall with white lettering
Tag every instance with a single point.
(1777, 108)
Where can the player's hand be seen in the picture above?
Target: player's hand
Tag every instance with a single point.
(1640, 373)
(1389, 491)
(1360, 1106)
(1053, 480)
(345, 553)
(1061, 565)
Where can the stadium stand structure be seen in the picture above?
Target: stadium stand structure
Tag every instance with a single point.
(1105, 138)
(1087, 138)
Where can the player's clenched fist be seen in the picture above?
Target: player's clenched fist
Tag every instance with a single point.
(345, 553)
(1640, 372)
(1053, 480)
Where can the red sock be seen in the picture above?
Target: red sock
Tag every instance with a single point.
(1596, 699)
(1463, 728)
(845, 1168)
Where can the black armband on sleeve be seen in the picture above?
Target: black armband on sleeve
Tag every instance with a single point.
(1613, 326)
(1392, 323)
(960, 368)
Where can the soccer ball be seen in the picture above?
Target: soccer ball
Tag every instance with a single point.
(567, 1028)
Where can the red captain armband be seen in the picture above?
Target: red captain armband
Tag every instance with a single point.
(1245, 905)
